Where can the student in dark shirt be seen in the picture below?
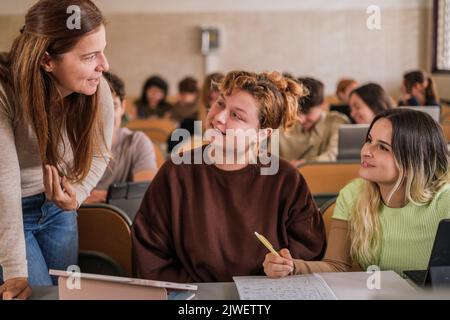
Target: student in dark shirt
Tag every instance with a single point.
(197, 221)
(186, 110)
(152, 102)
(418, 90)
(186, 106)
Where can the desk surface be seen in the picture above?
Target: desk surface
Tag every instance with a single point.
(206, 291)
(351, 285)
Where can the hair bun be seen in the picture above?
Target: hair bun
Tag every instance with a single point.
(286, 85)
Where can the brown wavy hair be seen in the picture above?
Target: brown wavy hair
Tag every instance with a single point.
(35, 92)
(277, 96)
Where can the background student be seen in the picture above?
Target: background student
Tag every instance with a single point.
(133, 155)
(153, 101)
(390, 215)
(197, 221)
(343, 89)
(367, 101)
(56, 119)
(187, 104)
(314, 137)
(209, 94)
(418, 90)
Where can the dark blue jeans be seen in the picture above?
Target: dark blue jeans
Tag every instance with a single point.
(51, 237)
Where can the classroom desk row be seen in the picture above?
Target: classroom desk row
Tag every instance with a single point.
(346, 286)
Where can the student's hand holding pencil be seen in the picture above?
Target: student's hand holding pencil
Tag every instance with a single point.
(278, 266)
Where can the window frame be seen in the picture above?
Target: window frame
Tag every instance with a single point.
(435, 68)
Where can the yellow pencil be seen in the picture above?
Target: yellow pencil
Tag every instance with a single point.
(266, 243)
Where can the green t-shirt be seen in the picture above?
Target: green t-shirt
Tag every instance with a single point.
(407, 233)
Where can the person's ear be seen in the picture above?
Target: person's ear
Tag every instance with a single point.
(47, 62)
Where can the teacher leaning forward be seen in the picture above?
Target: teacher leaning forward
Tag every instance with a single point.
(56, 119)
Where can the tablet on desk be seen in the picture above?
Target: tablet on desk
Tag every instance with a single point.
(87, 286)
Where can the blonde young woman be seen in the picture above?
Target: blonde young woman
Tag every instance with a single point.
(389, 217)
(56, 120)
(197, 221)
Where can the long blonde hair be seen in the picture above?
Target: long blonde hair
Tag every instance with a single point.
(421, 155)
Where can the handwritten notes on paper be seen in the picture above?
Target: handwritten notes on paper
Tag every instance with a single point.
(302, 287)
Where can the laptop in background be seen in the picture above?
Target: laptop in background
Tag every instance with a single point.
(127, 196)
(433, 111)
(438, 272)
(351, 140)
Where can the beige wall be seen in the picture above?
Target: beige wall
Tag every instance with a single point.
(322, 43)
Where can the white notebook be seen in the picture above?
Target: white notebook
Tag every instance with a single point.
(301, 287)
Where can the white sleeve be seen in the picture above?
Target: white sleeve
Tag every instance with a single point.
(12, 239)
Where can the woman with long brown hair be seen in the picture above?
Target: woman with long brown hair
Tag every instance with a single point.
(56, 118)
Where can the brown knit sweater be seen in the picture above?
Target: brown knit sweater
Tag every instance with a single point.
(197, 222)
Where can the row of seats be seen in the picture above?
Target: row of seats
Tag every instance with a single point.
(104, 240)
(158, 130)
(326, 179)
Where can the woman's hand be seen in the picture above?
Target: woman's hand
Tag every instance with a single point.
(278, 267)
(58, 190)
(15, 288)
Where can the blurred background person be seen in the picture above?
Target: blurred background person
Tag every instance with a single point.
(133, 155)
(343, 89)
(314, 136)
(418, 89)
(187, 104)
(209, 94)
(152, 102)
(367, 101)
